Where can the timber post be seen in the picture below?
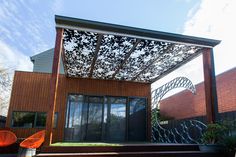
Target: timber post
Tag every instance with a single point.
(54, 86)
(210, 86)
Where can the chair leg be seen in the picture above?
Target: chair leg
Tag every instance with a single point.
(26, 152)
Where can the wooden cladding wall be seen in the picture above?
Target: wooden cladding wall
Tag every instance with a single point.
(30, 92)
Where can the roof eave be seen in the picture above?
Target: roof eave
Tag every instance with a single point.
(69, 22)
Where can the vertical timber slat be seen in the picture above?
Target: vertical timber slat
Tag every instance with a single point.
(53, 86)
(210, 86)
(149, 115)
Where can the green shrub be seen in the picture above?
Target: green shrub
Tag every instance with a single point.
(214, 133)
(230, 143)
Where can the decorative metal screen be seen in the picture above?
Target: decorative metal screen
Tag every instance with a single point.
(178, 82)
(106, 56)
(189, 131)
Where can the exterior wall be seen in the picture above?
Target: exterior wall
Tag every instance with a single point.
(43, 62)
(186, 105)
(30, 92)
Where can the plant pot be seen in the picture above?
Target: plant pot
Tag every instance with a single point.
(231, 154)
(26, 152)
(211, 148)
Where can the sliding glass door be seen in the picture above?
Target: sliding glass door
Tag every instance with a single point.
(75, 115)
(116, 119)
(84, 118)
(105, 118)
(137, 119)
(94, 121)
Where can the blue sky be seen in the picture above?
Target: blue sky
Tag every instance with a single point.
(27, 26)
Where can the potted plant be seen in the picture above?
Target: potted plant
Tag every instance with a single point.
(212, 138)
(229, 142)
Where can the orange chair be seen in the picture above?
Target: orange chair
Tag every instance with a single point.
(7, 138)
(34, 141)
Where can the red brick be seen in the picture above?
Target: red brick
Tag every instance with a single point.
(186, 105)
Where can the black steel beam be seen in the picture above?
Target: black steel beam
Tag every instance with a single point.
(66, 22)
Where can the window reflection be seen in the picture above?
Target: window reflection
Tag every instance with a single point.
(74, 118)
(23, 119)
(104, 118)
(41, 119)
(94, 123)
(137, 119)
(116, 119)
(29, 119)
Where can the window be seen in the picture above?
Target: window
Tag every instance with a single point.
(41, 119)
(31, 119)
(23, 119)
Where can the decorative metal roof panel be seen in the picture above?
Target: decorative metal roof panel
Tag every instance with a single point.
(79, 48)
(106, 51)
(112, 52)
(145, 52)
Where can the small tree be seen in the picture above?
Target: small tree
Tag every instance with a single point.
(214, 133)
(5, 90)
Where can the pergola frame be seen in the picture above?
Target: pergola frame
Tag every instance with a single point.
(204, 46)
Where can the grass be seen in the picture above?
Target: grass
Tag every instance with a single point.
(84, 144)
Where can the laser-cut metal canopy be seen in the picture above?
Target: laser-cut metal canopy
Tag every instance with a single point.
(106, 51)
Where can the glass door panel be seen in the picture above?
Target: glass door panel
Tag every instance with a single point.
(116, 119)
(74, 117)
(137, 119)
(94, 120)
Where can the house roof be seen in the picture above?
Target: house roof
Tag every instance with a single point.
(107, 51)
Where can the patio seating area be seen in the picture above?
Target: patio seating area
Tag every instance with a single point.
(11, 146)
(7, 138)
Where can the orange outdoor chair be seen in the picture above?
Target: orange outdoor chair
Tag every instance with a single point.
(34, 141)
(7, 138)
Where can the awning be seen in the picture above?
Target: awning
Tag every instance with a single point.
(105, 51)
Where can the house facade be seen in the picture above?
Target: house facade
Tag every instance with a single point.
(104, 93)
(87, 109)
(92, 110)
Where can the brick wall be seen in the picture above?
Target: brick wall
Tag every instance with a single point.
(185, 104)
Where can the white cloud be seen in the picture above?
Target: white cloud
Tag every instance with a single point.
(26, 29)
(211, 19)
(57, 5)
(216, 19)
(13, 59)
